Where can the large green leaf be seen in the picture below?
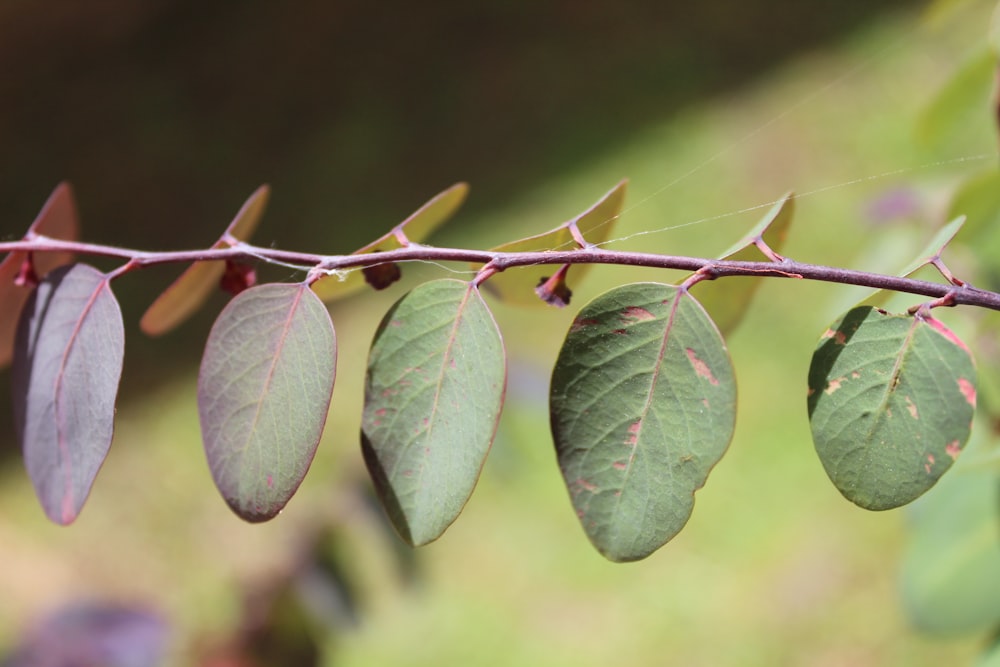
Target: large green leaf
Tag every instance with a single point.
(594, 225)
(727, 301)
(433, 395)
(891, 400)
(418, 226)
(643, 405)
(263, 395)
(951, 568)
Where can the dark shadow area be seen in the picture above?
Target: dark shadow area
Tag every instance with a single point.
(166, 114)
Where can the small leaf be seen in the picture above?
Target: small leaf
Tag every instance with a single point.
(433, 395)
(931, 251)
(727, 301)
(263, 395)
(962, 101)
(595, 225)
(67, 363)
(643, 405)
(414, 229)
(891, 400)
(951, 568)
(58, 219)
(192, 288)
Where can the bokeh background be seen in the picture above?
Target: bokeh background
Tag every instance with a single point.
(166, 114)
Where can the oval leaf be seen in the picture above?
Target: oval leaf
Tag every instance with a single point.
(950, 575)
(433, 395)
(891, 400)
(727, 302)
(58, 219)
(414, 229)
(595, 225)
(263, 395)
(186, 294)
(67, 363)
(643, 405)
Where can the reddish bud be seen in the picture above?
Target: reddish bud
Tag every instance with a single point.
(381, 276)
(554, 290)
(237, 277)
(26, 275)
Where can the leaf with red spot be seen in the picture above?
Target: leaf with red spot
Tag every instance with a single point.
(433, 395)
(727, 301)
(58, 219)
(594, 225)
(418, 226)
(891, 400)
(67, 363)
(642, 405)
(192, 288)
(263, 395)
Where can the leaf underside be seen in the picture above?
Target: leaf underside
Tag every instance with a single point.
(433, 395)
(263, 395)
(67, 364)
(891, 400)
(643, 405)
(185, 296)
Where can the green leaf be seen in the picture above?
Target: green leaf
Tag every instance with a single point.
(58, 219)
(727, 301)
(951, 568)
(191, 289)
(643, 405)
(433, 395)
(434, 213)
(595, 225)
(263, 395)
(891, 400)
(963, 100)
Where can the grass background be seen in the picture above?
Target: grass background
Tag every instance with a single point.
(774, 568)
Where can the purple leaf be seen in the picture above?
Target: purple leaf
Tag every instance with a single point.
(67, 362)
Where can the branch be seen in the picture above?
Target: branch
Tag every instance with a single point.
(494, 262)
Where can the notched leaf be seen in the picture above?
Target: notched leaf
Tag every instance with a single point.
(433, 394)
(891, 400)
(642, 406)
(192, 288)
(263, 395)
(67, 363)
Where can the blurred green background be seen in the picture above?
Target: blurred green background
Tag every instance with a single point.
(166, 114)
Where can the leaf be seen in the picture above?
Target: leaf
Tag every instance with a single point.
(414, 229)
(58, 219)
(263, 395)
(961, 101)
(518, 285)
(643, 405)
(728, 301)
(891, 400)
(931, 251)
(67, 363)
(951, 568)
(433, 395)
(192, 288)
